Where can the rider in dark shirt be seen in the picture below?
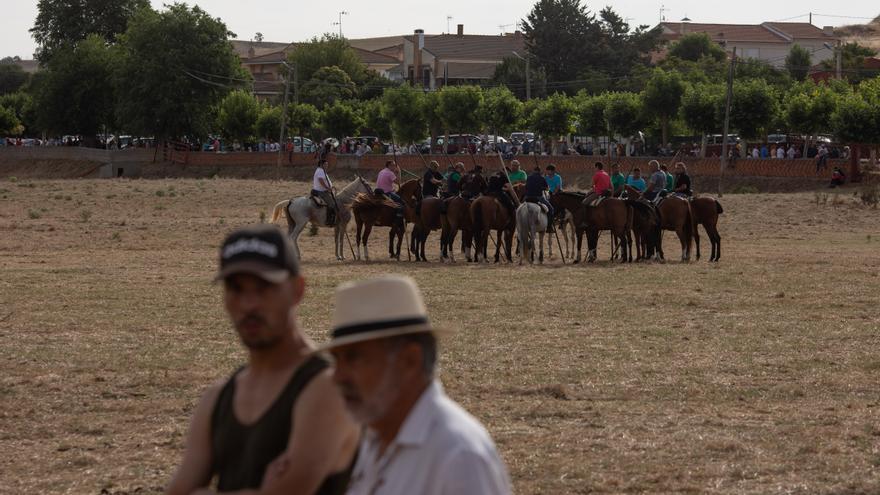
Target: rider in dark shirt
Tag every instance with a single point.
(536, 184)
(682, 181)
(475, 183)
(432, 180)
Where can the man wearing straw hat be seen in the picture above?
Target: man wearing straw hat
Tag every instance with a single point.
(278, 425)
(416, 439)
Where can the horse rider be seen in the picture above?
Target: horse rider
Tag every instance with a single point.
(601, 185)
(636, 181)
(656, 183)
(385, 184)
(682, 181)
(536, 185)
(617, 180)
(453, 181)
(553, 179)
(516, 175)
(322, 189)
(670, 179)
(475, 184)
(432, 180)
(497, 188)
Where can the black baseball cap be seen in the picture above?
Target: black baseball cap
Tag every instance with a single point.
(260, 250)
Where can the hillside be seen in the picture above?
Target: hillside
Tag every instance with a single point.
(864, 34)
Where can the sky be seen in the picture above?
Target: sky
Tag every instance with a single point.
(292, 20)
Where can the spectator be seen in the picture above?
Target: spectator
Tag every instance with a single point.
(765, 153)
(791, 152)
(756, 153)
(837, 178)
(780, 152)
(822, 158)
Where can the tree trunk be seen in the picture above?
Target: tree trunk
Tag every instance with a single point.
(873, 160)
(703, 143)
(664, 129)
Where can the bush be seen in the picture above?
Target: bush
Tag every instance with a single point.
(870, 195)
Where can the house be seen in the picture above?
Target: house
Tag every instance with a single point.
(770, 42)
(436, 60)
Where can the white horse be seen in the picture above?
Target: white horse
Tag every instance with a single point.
(302, 210)
(566, 225)
(531, 222)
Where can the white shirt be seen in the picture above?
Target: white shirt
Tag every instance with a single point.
(316, 180)
(439, 450)
(780, 152)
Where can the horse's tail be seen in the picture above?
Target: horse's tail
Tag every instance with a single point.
(718, 207)
(280, 207)
(689, 227)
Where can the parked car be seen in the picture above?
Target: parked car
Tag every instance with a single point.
(303, 145)
(519, 137)
(457, 143)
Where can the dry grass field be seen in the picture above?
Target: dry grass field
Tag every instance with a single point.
(755, 375)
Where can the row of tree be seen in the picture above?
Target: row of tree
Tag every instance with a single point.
(668, 104)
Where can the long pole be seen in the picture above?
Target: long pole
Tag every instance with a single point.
(724, 132)
(283, 116)
(405, 233)
(555, 232)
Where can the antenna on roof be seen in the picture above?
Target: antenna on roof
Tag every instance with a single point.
(502, 27)
(448, 20)
(663, 11)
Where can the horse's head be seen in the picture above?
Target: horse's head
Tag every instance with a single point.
(363, 185)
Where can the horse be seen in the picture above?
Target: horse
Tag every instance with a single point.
(425, 219)
(675, 215)
(457, 217)
(611, 214)
(565, 224)
(531, 220)
(487, 214)
(371, 210)
(705, 211)
(645, 227)
(302, 210)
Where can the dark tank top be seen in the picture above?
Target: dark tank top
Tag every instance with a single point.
(241, 453)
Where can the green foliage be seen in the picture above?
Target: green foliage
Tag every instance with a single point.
(302, 119)
(238, 115)
(798, 62)
(9, 123)
(404, 108)
(327, 51)
(21, 104)
(12, 77)
(622, 112)
(706, 70)
(554, 116)
(269, 123)
(376, 121)
(753, 107)
(511, 72)
(374, 86)
(327, 86)
(590, 113)
(695, 46)
(852, 62)
(857, 117)
(662, 98)
(807, 108)
(459, 107)
(340, 120)
(76, 94)
(699, 107)
(431, 113)
(166, 59)
(501, 111)
(64, 23)
(759, 69)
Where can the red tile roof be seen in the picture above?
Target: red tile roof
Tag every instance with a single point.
(769, 32)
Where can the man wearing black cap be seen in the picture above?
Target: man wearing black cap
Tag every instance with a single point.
(278, 424)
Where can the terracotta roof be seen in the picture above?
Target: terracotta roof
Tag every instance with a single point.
(242, 47)
(368, 57)
(464, 70)
(376, 44)
(473, 47)
(768, 32)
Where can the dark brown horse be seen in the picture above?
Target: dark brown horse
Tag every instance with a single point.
(706, 211)
(645, 227)
(425, 218)
(371, 211)
(488, 214)
(611, 214)
(675, 215)
(457, 217)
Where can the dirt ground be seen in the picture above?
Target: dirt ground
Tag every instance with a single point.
(758, 374)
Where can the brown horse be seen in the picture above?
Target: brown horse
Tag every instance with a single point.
(488, 214)
(371, 211)
(425, 218)
(646, 228)
(675, 215)
(611, 214)
(457, 217)
(705, 211)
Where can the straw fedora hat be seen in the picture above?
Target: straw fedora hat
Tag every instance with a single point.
(377, 308)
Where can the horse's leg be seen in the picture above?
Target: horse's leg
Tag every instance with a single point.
(508, 244)
(357, 238)
(294, 236)
(715, 239)
(400, 234)
(696, 231)
(679, 230)
(541, 243)
(497, 247)
(579, 233)
(367, 229)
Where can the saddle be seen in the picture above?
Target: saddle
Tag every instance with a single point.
(533, 200)
(318, 201)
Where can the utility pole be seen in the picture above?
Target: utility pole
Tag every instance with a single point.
(283, 114)
(528, 75)
(839, 56)
(724, 132)
(341, 13)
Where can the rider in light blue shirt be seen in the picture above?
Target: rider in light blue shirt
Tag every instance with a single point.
(554, 180)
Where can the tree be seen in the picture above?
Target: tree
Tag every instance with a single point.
(328, 85)
(430, 111)
(404, 109)
(67, 22)
(753, 107)
(699, 109)
(853, 62)
(624, 50)
(327, 51)
(340, 120)
(552, 28)
(374, 86)
(807, 109)
(174, 68)
(695, 46)
(9, 123)
(12, 77)
(662, 98)
(238, 115)
(511, 72)
(553, 118)
(590, 113)
(458, 108)
(752, 68)
(76, 94)
(377, 121)
(269, 123)
(501, 111)
(855, 120)
(622, 112)
(798, 62)
(303, 119)
(21, 104)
